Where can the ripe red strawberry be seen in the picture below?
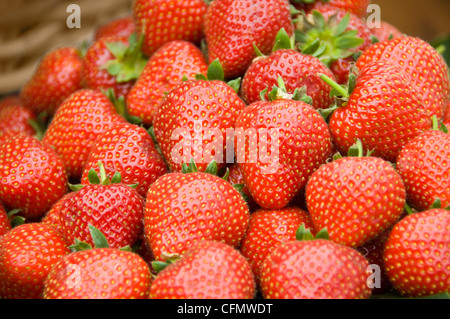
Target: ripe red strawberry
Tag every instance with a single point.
(184, 208)
(357, 7)
(79, 121)
(122, 27)
(423, 164)
(355, 198)
(233, 27)
(51, 218)
(295, 68)
(165, 69)
(382, 110)
(163, 21)
(112, 207)
(386, 31)
(193, 120)
(13, 99)
(235, 177)
(113, 63)
(426, 68)
(32, 176)
(15, 119)
(268, 229)
(416, 254)
(127, 149)
(5, 225)
(60, 73)
(315, 269)
(27, 253)
(208, 270)
(99, 273)
(279, 144)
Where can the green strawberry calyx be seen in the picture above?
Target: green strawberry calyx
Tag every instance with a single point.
(120, 106)
(304, 233)
(356, 150)
(167, 259)
(438, 127)
(215, 72)
(280, 92)
(99, 239)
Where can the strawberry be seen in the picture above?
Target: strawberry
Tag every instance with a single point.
(232, 28)
(82, 117)
(114, 208)
(386, 31)
(184, 208)
(357, 7)
(426, 68)
(194, 119)
(381, 108)
(165, 69)
(12, 99)
(295, 68)
(446, 120)
(60, 73)
(5, 225)
(113, 63)
(32, 176)
(120, 27)
(416, 254)
(127, 149)
(355, 198)
(235, 177)
(27, 253)
(268, 229)
(162, 21)
(208, 270)
(314, 269)
(51, 217)
(423, 164)
(99, 273)
(16, 119)
(279, 144)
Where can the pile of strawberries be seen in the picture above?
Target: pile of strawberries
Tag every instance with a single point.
(230, 149)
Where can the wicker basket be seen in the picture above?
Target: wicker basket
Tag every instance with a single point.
(30, 28)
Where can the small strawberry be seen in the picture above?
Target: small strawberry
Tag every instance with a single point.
(162, 21)
(32, 176)
(232, 28)
(381, 108)
(268, 229)
(355, 198)
(121, 27)
(386, 31)
(60, 73)
(416, 255)
(357, 7)
(112, 207)
(311, 268)
(279, 144)
(194, 119)
(423, 164)
(79, 121)
(426, 68)
(113, 63)
(208, 270)
(165, 69)
(16, 119)
(184, 208)
(27, 253)
(5, 225)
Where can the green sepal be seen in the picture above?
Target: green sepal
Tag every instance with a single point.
(98, 237)
(239, 188)
(283, 41)
(158, 265)
(191, 168)
(127, 248)
(326, 113)
(235, 84)
(408, 209)
(16, 220)
(79, 246)
(258, 52)
(304, 233)
(212, 168)
(93, 177)
(226, 175)
(215, 71)
(336, 156)
(356, 150)
(280, 92)
(436, 204)
(117, 178)
(75, 187)
(120, 106)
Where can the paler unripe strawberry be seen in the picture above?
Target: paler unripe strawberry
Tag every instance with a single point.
(233, 27)
(32, 176)
(81, 118)
(99, 273)
(208, 270)
(27, 253)
(163, 71)
(417, 253)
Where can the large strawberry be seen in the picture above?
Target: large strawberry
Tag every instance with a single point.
(127, 149)
(165, 69)
(268, 229)
(382, 109)
(311, 268)
(279, 144)
(355, 198)
(32, 176)
(122, 27)
(60, 73)
(208, 270)
(424, 164)
(184, 208)
(426, 68)
(233, 27)
(114, 208)
(416, 255)
(194, 121)
(27, 253)
(82, 117)
(162, 21)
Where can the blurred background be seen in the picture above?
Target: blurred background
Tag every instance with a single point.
(30, 28)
